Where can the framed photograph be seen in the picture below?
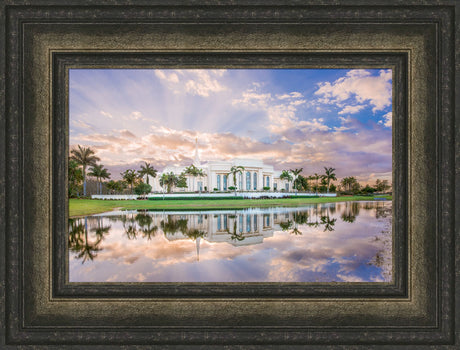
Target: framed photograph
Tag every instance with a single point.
(242, 175)
(195, 198)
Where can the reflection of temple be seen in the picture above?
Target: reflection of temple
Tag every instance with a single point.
(236, 229)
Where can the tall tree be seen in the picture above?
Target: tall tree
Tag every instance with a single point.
(234, 170)
(382, 185)
(99, 172)
(200, 174)
(286, 175)
(147, 170)
(301, 183)
(329, 175)
(315, 177)
(169, 180)
(296, 173)
(130, 177)
(105, 175)
(115, 186)
(350, 183)
(193, 171)
(75, 177)
(182, 182)
(84, 156)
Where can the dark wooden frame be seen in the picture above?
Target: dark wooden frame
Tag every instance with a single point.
(415, 38)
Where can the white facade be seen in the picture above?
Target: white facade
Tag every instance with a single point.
(255, 177)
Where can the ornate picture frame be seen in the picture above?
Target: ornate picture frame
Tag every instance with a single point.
(44, 40)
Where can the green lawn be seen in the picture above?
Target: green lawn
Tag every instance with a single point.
(78, 207)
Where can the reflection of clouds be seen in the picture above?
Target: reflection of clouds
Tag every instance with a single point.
(346, 254)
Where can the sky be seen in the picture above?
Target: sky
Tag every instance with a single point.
(290, 118)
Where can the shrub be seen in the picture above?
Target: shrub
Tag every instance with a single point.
(232, 188)
(215, 189)
(266, 188)
(142, 188)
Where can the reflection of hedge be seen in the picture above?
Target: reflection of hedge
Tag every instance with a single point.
(237, 197)
(192, 197)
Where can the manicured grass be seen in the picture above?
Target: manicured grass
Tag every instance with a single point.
(78, 207)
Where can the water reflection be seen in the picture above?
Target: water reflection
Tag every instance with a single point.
(343, 242)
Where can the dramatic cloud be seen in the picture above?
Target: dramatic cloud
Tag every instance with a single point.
(339, 120)
(358, 86)
(199, 82)
(387, 119)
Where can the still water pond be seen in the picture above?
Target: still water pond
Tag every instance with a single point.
(340, 242)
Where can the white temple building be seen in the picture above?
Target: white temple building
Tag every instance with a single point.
(255, 177)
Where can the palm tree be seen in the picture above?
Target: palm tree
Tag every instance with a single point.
(296, 172)
(169, 180)
(200, 173)
(147, 170)
(84, 156)
(104, 175)
(75, 177)
(329, 176)
(349, 182)
(99, 172)
(130, 177)
(233, 171)
(192, 170)
(315, 177)
(286, 175)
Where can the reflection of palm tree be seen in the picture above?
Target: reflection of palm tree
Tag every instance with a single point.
(301, 218)
(381, 211)
(131, 232)
(100, 230)
(332, 208)
(194, 234)
(328, 223)
(235, 236)
(145, 222)
(149, 232)
(351, 212)
(286, 225)
(295, 230)
(348, 218)
(143, 219)
(129, 224)
(85, 249)
(76, 232)
(172, 225)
